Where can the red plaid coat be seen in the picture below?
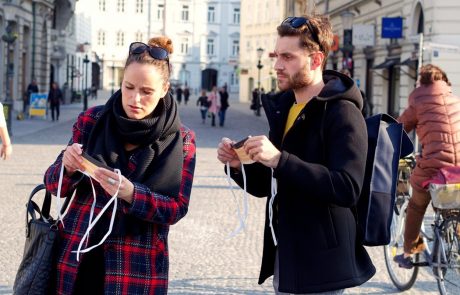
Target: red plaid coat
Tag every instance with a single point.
(136, 264)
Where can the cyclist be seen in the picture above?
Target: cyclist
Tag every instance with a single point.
(435, 114)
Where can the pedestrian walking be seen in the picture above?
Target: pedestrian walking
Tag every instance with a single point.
(7, 148)
(203, 104)
(223, 105)
(138, 133)
(433, 112)
(186, 94)
(94, 91)
(214, 105)
(31, 88)
(54, 99)
(179, 94)
(311, 244)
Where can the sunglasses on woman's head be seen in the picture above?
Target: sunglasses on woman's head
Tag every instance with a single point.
(297, 22)
(155, 52)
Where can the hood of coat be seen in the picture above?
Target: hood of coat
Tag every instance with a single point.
(437, 88)
(337, 86)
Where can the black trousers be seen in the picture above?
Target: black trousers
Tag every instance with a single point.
(54, 107)
(91, 273)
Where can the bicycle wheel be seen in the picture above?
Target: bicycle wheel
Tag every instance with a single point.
(402, 278)
(447, 267)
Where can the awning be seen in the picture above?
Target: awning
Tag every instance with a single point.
(410, 62)
(387, 64)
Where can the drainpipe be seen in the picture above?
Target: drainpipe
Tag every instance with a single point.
(34, 25)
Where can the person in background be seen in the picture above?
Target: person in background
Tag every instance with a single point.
(313, 182)
(202, 102)
(139, 132)
(433, 113)
(223, 105)
(179, 94)
(6, 149)
(55, 98)
(94, 91)
(31, 88)
(214, 105)
(186, 94)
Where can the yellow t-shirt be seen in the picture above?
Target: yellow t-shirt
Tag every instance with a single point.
(294, 112)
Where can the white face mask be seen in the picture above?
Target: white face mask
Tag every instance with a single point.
(91, 222)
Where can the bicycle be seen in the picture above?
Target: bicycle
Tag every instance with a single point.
(442, 246)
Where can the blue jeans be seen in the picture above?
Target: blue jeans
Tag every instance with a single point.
(222, 117)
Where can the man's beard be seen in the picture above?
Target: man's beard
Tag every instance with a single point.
(297, 81)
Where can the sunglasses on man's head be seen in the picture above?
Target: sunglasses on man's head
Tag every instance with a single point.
(297, 22)
(155, 52)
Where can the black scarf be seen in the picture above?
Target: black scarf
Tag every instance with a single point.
(159, 154)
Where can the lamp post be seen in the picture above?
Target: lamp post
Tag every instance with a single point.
(113, 76)
(86, 61)
(347, 22)
(260, 51)
(9, 38)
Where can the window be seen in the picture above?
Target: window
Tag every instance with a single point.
(121, 5)
(139, 36)
(236, 16)
(210, 47)
(160, 11)
(101, 38)
(139, 6)
(211, 14)
(185, 11)
(120, 39)
(184, 46)
(234, 79)
(102, 5)
(236, 48)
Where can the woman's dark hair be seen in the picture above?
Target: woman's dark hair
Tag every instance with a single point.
(322, 28)
(430, 73)
(145, 58)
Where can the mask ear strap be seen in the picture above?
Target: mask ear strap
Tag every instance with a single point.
(241, 216)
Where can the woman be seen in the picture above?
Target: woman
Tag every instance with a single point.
(137, 131)
(433, 112)
(202, 102)
(6, 149)
(214, 105)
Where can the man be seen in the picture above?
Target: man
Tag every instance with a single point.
(31, 88)
(55, 98)
(316, 154)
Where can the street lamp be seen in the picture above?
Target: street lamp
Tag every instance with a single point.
(9, 38)
(86, 61)
(260, 51)
(113, 76)
(347, 22)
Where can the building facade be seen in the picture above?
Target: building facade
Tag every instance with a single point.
(32, 32)
(384, 50)
(205, 36)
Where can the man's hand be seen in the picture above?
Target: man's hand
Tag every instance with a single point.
(225, 153)
(262, 150)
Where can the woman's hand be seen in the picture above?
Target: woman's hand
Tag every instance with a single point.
(261, 149)
(109, 181)
(225, 153)
(6, 151)
(72, 159)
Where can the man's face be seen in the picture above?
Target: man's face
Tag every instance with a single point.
(293, 63)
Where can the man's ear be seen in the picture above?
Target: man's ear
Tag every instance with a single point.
(317, 60)
(166, 87)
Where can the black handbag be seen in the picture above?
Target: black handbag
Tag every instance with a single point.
(36, 273)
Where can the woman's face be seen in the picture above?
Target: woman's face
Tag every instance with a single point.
(142, 88)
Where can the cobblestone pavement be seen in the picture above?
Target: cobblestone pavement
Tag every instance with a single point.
(203, 259)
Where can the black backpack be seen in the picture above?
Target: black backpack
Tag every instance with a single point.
(387, 143)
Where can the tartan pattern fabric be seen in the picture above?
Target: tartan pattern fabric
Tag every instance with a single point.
(134, 263)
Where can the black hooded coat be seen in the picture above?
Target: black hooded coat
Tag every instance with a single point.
(319, 181)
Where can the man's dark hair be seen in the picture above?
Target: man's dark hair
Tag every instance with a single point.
(322, 28)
